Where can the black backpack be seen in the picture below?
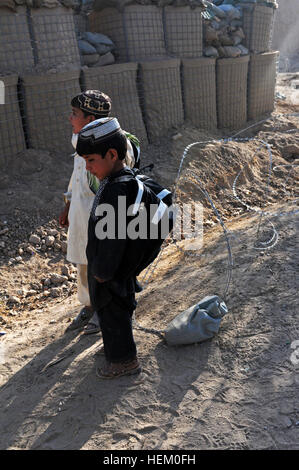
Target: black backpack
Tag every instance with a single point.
(160, 215)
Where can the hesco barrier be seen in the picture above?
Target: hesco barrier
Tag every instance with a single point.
(183, 31)
(199, 92)
(11, 132)
(161, 96)
(258, 27)
(119, 81)
(54, 36)
(231, 80)
(16, 52)
(109, 22)
(261, 83)
(137, 31)
(47, 105)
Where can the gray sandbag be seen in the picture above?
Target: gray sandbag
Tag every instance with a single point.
(198, 323)
(106, 59)
(100, 42)
(90, 59)
(85, 48)
(210, 51)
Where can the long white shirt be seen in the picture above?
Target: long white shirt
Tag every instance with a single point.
(82, 198)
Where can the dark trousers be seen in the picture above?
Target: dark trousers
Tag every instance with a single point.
(115, 304)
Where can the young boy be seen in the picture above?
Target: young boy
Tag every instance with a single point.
(112, 260)
(86, 107)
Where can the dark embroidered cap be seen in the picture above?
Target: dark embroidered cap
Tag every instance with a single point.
(95, 102)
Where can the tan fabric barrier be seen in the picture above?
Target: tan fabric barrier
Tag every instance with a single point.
(47, 99)
(199, 91)
(119, 82)
(261, 84)
(231, 80)
(109, 22)
(15, 45)
(183, 31)
(55, 37)
(161, 96)
(258, 22)
(12, 138)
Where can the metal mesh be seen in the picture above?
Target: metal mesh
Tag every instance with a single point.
(11, 132)
(16, 53)
(199, 92)
(119, 81)
(55, 38)
(144, 32)
(231, 80)
(109, 22)
(161, 96)
(47, 100)
(183, 31)
(258, 22)
(261, 84)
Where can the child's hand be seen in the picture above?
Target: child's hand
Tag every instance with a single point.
(63, 218)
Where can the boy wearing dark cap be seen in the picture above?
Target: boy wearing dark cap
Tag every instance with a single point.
(86, 108)
(112, 259)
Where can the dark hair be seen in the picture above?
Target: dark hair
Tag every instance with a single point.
(117, 141)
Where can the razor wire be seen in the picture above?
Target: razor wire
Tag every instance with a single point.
(266, 245)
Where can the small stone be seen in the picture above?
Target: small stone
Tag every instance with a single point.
(50, 240)
(19, 259)
(30, 250)
(52, 232)
(65, 270)
(21, 251)
(2, 244)
(43, 248)
(58, 278)
(52, 321)
(2, 320)
(47, 282)
(63, 246)
(13, 299)
(3, 231)
(12, 260)
(177, 136)
(31, 292)
(55, 292)
(35, 239)
(57, 246)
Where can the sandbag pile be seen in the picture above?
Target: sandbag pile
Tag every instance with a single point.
(223, 32)
(13, 4)
(95, 49)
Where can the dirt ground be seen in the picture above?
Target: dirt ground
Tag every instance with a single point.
(236, 391)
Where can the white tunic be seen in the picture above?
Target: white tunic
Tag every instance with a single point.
(81, 202)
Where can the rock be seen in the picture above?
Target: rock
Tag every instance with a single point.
(2, 244)
(3, 231)
(2, 320)
(35, 239)
(31, 292)
(47, 282)
(63, 246)
(65, 270)
(57, 246)
(30, 249)
(19, 259)
(52, 232)
(12, 260)
(13, 299)
(58, 278)
(55, 292)
(50, 240)
(43, 248)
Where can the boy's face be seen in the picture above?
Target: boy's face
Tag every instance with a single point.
(102, 167)
(78, 120)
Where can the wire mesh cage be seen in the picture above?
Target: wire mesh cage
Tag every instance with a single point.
(12, 138)
(183, 31)
(55, 40)
(231, 80)
(258, 23)
(47, 104)
(16, 54)
(119, 81)
(161, 96)
(261, 83)
(199, 92)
